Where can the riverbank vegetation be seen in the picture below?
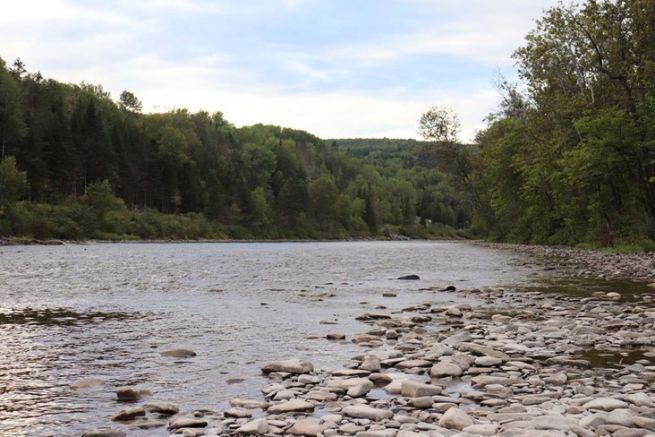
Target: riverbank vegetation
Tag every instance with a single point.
(569, 158)
(78, 165)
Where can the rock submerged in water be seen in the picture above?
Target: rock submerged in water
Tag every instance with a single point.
(131, 394)
(187, 422)
(86, 383)
(178, 353)
(104, 432)
(335, 336)
(294, 366)
(162, 408)
(128, 414)
(409, 278)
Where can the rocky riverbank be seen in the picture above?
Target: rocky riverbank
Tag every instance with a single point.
(521, 364)
(588, 263)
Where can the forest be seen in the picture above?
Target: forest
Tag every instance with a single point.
(567, 158)
(78, 165)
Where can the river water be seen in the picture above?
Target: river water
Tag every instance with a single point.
(106, 311)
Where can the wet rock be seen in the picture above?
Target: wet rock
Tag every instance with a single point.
(455, 418)
(413, 389)
(336, 336)
(250, 404)
(257, 426)
(366, 412)
(294, 366)
(86, 383)
(130, 394)
(296, 405)
(409, 278)
(161, 408)
(178, 353)
(186, 422)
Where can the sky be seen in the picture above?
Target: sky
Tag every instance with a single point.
(336, 68)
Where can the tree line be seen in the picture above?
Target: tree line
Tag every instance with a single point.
(76, 164)
(569, 157)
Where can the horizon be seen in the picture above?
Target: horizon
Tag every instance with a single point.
(304, 64)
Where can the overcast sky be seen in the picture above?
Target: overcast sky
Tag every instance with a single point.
(336, 68)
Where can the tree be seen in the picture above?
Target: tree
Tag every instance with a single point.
(128, 102)
(13, 182)
(440, 125)
(12, 127)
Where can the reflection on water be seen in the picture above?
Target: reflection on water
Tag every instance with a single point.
(55, 316)
(585, 287)
(612, 359)
(69, 313)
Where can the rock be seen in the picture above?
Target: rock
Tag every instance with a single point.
(178, 353)
(238, 413)
(360, 389)
(640, 399)
(388, 294)
(409, 278)
(309, 427)
(422, 402)
(411, 389)
(250, 404)
(605, 404)
(455, 418)
(130, 394)
(445, 368)
(410, 364)
(593, 420)
(487, 361)
(482, 429)
(366, 412)
(161, 408)
(377, 433)
(336, 336)
(294, 366)
(104, 432)
(186, 422)
(621, 416)
(371, 363)
(257, 426)
(482, 350)
(644, 422)
(296, 405)
(86, 383)
(351, 428)
(556, 379)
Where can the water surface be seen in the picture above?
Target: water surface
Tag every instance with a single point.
(106, 311)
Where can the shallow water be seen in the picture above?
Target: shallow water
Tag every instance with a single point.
(106, 311)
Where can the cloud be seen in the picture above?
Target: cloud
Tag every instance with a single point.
(311, 69)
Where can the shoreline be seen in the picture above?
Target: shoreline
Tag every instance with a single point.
(587, 263)
(517, 364)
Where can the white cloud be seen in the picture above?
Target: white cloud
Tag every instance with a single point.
(112, 52)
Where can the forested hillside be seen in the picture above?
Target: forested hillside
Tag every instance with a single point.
(77, 164)
(570, 155)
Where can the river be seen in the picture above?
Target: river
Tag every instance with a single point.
(106, 311)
